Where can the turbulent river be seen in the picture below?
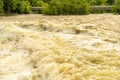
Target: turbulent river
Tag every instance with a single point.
(38, 47)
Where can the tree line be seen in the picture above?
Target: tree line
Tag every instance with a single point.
(55, 7)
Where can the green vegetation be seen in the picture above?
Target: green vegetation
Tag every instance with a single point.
(67, 7)
(1, 8)
(97, 2)
(17, 6)
(110, 2)
(23, 7)
(116, 8)
(56, 7)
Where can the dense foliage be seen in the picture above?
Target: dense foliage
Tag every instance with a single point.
(97, 2)
(117, 7)
(67, 7)
(23, 7)
(56, 7)
(1, 8)
(17, 6)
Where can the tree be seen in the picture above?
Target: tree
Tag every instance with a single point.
(23, 7)
(10, 5)
(38, 2)
(67, 7)
(1, 7)
(83, 7)
(46, 1)
(20, 8)
(116, 8)
(33, 2)
(110, 2)
(97, 2)
(53, 10)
